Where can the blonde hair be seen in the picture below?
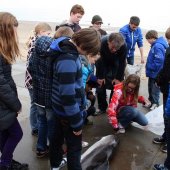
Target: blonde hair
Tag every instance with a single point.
(40, 27)
(8, 37)
(63, 31)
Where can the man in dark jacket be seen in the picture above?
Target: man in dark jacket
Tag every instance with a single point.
(110, 67)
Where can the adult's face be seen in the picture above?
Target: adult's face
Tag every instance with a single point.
(112, 47)
(97, 25)
(133, 27)
(75, 18)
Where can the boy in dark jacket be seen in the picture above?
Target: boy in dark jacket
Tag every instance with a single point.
(68, 97)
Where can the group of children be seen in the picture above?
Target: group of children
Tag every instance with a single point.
(60, 77)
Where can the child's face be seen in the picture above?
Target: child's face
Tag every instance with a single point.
(44, 33)
(92, 59)
(150, 41)
(75, 18)
(168, 41)
(130, 87)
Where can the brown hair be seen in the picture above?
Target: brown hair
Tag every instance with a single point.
(167, 33)
(42, 26)
(151, 34)
(63, 31)
(8, 37)
(134, 79)
(88, 39)
(77, 9)
(135, 20)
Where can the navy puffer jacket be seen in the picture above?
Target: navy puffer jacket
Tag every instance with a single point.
(9, 101)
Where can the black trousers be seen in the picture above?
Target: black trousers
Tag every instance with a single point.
(102, 97)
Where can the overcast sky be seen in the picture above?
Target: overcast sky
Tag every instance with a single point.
(153, 13)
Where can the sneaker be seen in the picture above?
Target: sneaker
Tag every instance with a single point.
(164, 148)
(35, 132)
(62, 164)
(15, 165)
(40, 153)
(121, 129)
(84, 144)
(159, 140)
(159, 167)
(153, 107)
(99, 112)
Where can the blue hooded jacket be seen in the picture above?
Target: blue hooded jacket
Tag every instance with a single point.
(156, 57)
(131, 38)
(68, 96)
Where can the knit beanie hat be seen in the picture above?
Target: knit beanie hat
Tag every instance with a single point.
(96, 18)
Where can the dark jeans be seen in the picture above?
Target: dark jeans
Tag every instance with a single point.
(130, 60)
(127, 114)
(8, 141)
(63, 132)
(33, 112)
(101, 97)
(165, 96)
(154, 91)
(167, 161)
(45, 126)
(91, 110)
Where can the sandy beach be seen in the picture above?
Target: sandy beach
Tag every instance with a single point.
(25, 28)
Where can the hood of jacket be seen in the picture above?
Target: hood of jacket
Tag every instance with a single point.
(84, 60)
(63, 45)
(161, 41)
(42, 45)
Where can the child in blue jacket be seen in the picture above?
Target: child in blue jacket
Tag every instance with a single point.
(154, 64)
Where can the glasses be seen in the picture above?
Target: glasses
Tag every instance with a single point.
(131, 88)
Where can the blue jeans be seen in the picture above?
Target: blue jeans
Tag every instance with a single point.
(9, 139)
(45, 126)
(128, 114)
(33, 112)
(63, 132)
(130, 60)
(154, 91)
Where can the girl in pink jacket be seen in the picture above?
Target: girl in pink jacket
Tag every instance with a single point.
(122, 109)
